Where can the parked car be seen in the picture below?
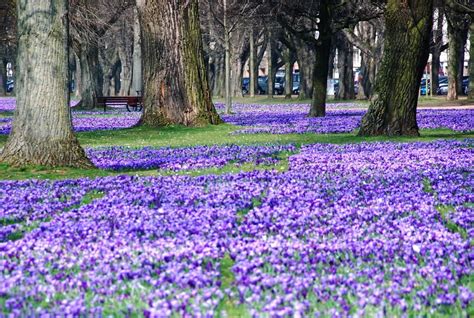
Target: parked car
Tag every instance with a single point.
(443, 85)
(336, 87)
(245, 85)
(261, 87)
(465, 85)
(279, 85)
(296, 87)
(10, 85)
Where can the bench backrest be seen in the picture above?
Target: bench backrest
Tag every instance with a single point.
(119, 99)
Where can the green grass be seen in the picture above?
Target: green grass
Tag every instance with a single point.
(445, 211)
(178, 136)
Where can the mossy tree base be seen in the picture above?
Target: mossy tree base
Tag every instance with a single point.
(42, 130)
(176, 89)
(393, 109)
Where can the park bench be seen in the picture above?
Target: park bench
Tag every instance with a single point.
(132, 103)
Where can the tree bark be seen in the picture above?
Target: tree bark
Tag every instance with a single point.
(253, 65)
(137, 76)
(42, 130)
(176, 89)
(91, 76)
(270, 71)
(471, 60)
(288, 73)
(3, 75)
(305, 53)
(393, 109)
(321, 66)
(457, 37)
(436, 51)
(345, 66)
(125, 77)
(219, 81)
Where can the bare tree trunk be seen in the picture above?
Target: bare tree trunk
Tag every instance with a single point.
(270, 71)
(3, 75)
(42, 130)
(219, 82)
(237, 70)
(125, 77)
(305, 54)
(436, 50)
(407, 39)
(321, 66)
(253, 65)
(362, 78)
(240, 49)
(455, 42)
(176, 89)
(288, 73)
(471, 60)
(228, 73)
(109, 61)
(91, 76)
(345, 65)
(137, 76)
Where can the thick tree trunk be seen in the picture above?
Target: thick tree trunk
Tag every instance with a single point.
(125, 77)
(42, 131)
(137, 76)
(219, 82)
(471, 60)
(455, 43)
(305, 53)
(363, 78)
(237, 73)
(91, 76)
(240, 49)
(176, 89)
(320, 79)
(345, 66)
(407, 39)
(321, 66)
(464, 35)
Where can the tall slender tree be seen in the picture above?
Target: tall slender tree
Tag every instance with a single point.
(7, 39)
(471, 60)
(176, 89)
(407, 38)
(42, 130)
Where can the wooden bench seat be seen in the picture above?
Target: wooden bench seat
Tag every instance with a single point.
(132, 103)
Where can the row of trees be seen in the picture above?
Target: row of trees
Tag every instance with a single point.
(170, 47)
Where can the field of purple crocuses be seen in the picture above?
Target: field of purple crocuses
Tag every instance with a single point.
(271, 119)
(368, 229)
(341, 118)
(189, 158)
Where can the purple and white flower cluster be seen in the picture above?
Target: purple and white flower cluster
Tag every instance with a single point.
(349, 230)
(188, 158)
(89, 121)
